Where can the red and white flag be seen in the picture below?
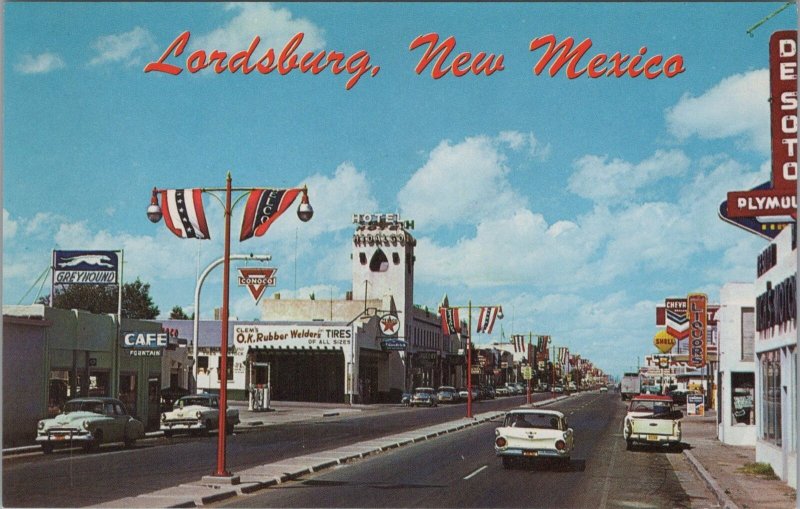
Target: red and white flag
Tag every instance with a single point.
(263, 207)
(183, 213)
(519, 342)
(450, 322)
(487, 317)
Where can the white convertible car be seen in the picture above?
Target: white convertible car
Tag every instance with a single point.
(197, 413)
(531, 434)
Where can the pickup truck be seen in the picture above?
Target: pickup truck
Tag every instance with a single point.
(653, 420)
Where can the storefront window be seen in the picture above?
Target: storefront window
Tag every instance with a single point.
(748, 333)
(771, 397)
(228, 367)
(202, 364)
(59, 391)
(743, 396)
(127, 391)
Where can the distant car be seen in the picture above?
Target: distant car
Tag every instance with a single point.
(447, 394)
(89, 422)
(197, 413)
(424, 396)
(487, 392)
(501, 391)
(462, 393)
(558, 388)
(405, 399)
(533, 434)
(679, 397)
(603, 389)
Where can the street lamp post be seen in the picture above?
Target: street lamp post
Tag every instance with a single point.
(469, 307)
(198, 287)
(273, 206)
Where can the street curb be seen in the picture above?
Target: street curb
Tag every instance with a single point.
(722, 497)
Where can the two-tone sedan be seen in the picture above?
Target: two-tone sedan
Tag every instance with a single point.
(424, 396)
(197, 414)
(533, 434)
(89, 422)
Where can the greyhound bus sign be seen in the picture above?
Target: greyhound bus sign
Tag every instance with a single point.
(85, 267)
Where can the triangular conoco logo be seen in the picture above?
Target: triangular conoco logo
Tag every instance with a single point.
(257, 279)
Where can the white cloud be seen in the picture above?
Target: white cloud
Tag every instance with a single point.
(127, 47)
(39, 64)
(462, 183)
(274, 25)
(606, 181)
(605, 245)
(9, 226)
(737, 107)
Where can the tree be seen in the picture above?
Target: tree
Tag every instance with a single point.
(136, 300)
(177, 313)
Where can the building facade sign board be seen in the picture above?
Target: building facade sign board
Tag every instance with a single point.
(85, 267)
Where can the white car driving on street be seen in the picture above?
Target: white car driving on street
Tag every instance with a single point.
(532, 434)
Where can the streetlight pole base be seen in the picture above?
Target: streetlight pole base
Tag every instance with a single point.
(216, 479)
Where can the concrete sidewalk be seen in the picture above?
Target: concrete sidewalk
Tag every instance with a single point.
(717, 464)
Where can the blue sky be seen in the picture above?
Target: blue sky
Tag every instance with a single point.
(579, 205)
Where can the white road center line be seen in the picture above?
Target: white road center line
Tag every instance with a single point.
(473, 474)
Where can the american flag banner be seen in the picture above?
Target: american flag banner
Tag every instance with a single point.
(487, 317)
(518, 342)
(263, 207)
(450, 321)
(539, 342)
(563, 355)
(545, 341)
(184, 214)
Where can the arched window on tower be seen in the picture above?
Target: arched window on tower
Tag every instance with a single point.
(379, 262)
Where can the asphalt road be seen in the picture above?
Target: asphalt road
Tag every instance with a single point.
(71, 478)
(461, 470)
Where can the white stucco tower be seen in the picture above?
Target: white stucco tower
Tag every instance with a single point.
(383, 262)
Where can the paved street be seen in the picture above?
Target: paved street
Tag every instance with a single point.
(161, 463)
(460, 470)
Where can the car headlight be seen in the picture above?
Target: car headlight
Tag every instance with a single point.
(85, 424)
(199, 414)
(500, 442)
(561, 445)
(41, 424)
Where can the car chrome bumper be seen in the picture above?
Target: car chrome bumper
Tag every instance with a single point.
(65, 436)
(179, 425)
(532, 453)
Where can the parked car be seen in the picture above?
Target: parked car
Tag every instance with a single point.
(513, 390)
(558, 388)
(424, 396)
(462, 393)
(487, 392)
(197, 413)
(405, 399)
(603, 388)
(678, 397)
(501, 391)
(652, 419)
(89, 422)
(447, 394)
(533, 434)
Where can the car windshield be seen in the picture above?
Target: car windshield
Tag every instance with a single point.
(84, 406)
(193, 401)
(423, 391)
(531, 420)
(656, 407)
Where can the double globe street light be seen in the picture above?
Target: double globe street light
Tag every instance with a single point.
(264, 208)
